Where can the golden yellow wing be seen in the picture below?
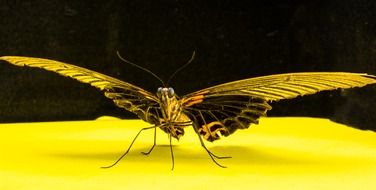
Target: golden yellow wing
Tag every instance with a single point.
(124, 95)
(224, 108)
(287, 86)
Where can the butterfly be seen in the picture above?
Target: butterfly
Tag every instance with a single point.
(212, 112)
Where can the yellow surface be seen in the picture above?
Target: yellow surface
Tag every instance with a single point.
(280, 153)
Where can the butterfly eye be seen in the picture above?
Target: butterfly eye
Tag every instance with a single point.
(171, 92)
(159, 91)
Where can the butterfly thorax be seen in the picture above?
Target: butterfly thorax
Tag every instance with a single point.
(173, 120)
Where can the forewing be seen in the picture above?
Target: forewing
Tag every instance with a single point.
(224, 108)
(124, 95)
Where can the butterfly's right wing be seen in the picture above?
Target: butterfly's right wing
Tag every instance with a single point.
(235, 105)
(125, 95)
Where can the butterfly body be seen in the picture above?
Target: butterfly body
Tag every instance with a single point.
(172, 120)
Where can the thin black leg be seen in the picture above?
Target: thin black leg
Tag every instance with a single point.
(155, 142)
(212, 155)
(130, 146)
(172, 153)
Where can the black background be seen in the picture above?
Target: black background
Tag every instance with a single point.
(233, 40)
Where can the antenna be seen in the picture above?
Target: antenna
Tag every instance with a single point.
(182, 67)
(144, 69)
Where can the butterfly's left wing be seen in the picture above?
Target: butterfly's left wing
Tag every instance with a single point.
(224, 108)
(125, 95)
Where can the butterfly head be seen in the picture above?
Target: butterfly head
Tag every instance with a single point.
(165, 92)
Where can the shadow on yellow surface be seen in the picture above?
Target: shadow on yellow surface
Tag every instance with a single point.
(280, 153)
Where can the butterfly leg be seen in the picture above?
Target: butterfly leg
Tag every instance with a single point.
(155, 142)
(212, 155)
(172, 154)
(130, 146)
